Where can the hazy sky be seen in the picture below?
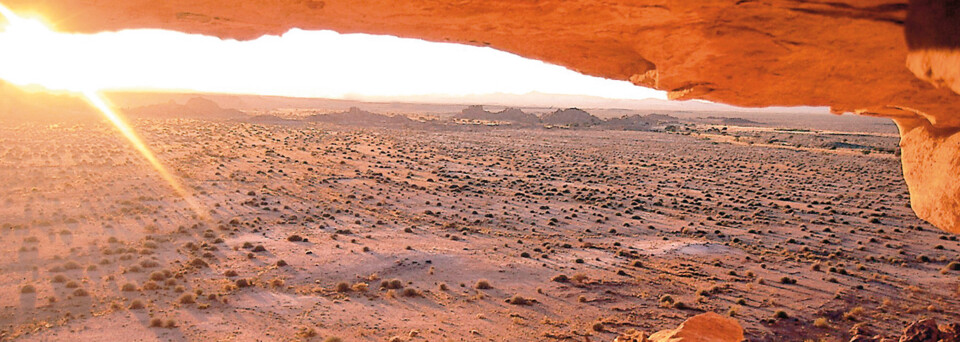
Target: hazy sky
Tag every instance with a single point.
(298, 63)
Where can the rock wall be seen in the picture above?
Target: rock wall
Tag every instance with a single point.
(877, 57)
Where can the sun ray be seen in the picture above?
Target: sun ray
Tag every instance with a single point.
(35, 29)
(97, 101)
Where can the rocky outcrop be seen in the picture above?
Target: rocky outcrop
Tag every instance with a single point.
(925, 330)
(570, 117)
(195, 108)
(880, 57)
(511, 115)
(639, 122)
(357, 116)
(931, 166)
(516, 115)
(705, 327)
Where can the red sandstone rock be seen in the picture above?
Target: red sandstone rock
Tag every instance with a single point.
(705, 327)
(921, 331)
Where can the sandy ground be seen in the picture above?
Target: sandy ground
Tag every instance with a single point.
(578, 235)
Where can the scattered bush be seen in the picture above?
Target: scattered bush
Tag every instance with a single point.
(187, 298)
(411, 292)
(519, 300)
(392, 284)
(482, 284)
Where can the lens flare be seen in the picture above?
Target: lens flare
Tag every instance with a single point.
(36, 31)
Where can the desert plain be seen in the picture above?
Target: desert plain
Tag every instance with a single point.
(302, 225)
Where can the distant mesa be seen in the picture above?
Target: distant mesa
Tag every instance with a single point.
(572, 117)
(357, 116)
(833, 145)
(509, 115)
(195, 108)
(732, 121)
(637, 122)
(18, 104)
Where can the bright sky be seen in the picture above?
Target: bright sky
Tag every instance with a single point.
(298, 63)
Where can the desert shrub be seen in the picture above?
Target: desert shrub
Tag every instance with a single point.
(80, 293)
(150, 285)
(199, 263)
(854, 314)
(187, 298)
(128, 287)
(342, 287)
(360, 287)
(307, 332)
(136, 304)
(392, 284)
(28, 289)
(519, 300)
(157, 276)
(411, 292)
(821, 322)
(482, 284)
(953, 266)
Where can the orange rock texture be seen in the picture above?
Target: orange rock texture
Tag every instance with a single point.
(705, 327)
(878, 57)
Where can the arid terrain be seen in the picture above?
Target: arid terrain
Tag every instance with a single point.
(308, 230)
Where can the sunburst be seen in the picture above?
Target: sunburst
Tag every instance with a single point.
(34, 30)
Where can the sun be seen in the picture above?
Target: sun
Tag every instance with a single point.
(34, 31)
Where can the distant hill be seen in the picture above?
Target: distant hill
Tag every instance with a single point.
(357, 116)
(570, 117)
(269, 120)
(195, 108)
(639, 122)
(512, 115)
(18, 104)
(731, 121)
